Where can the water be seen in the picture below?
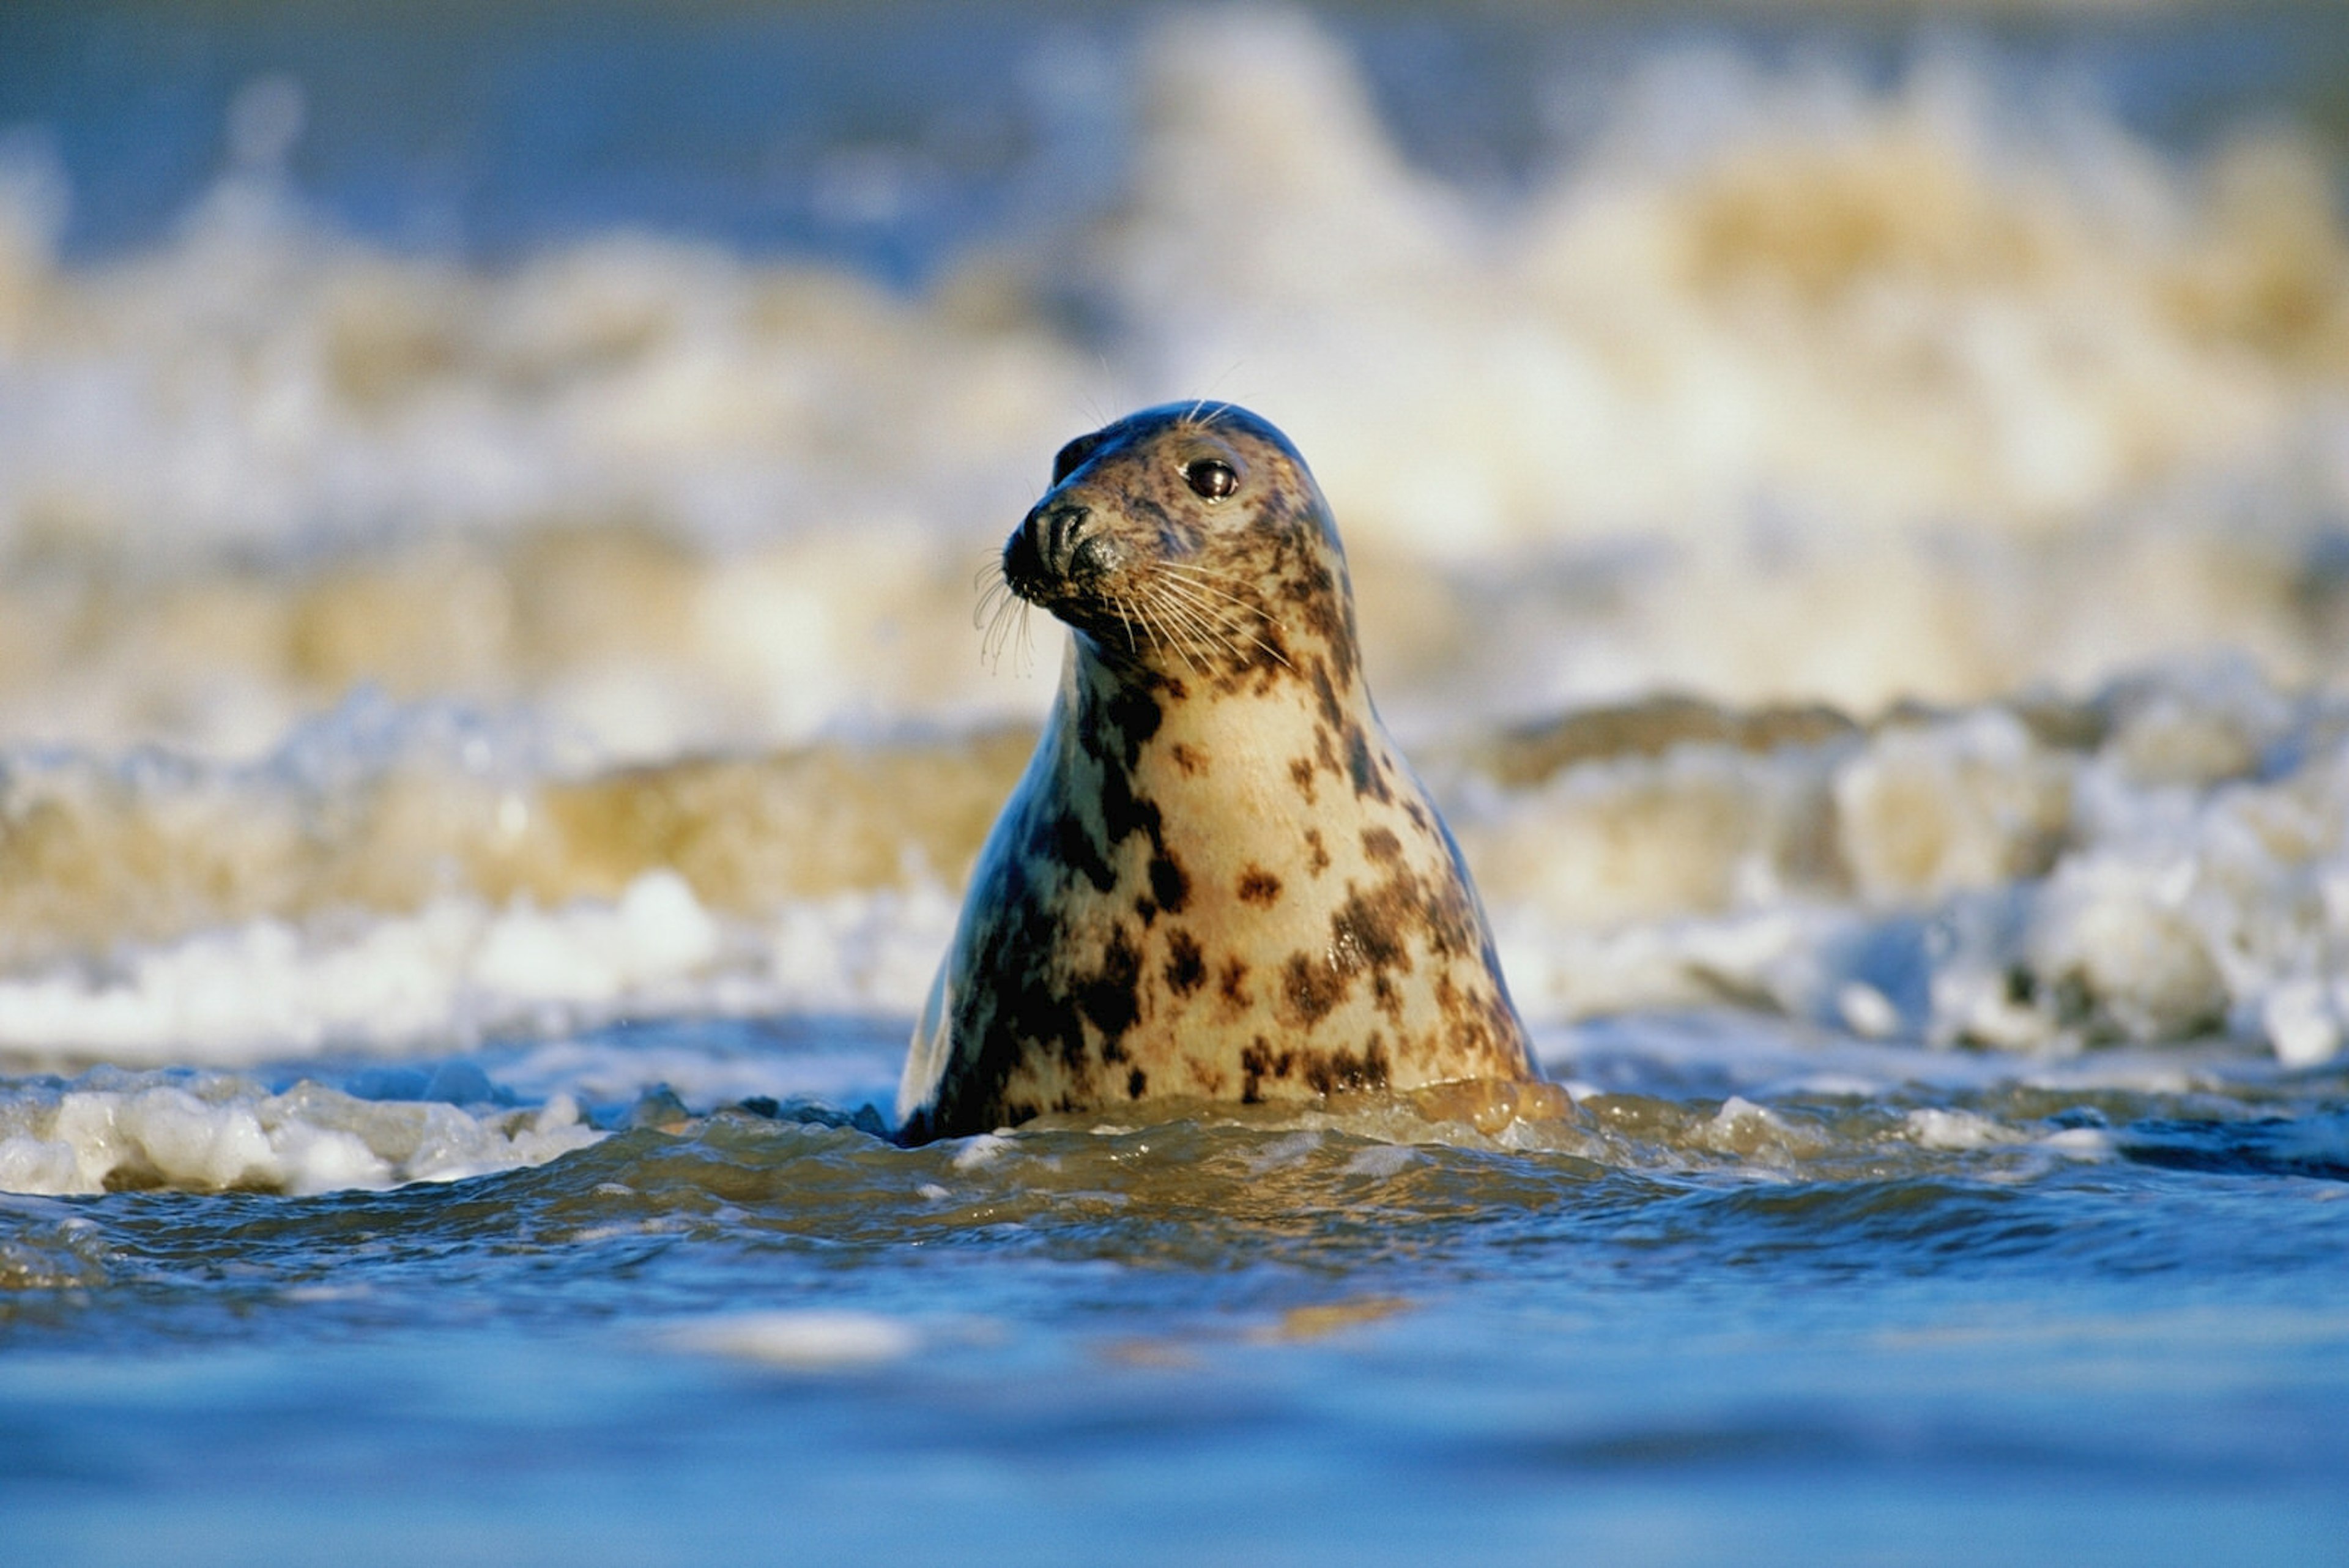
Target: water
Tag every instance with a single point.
(1910, 1321)
(1848, 511)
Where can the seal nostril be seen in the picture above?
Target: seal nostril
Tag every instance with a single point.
(1063, 527)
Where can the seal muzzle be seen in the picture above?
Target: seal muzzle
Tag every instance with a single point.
(1057, 549)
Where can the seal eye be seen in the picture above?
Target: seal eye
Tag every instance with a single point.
(1212, 478)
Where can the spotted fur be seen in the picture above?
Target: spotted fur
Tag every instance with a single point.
(1218, 878)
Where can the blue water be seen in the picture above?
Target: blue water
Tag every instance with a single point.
(1204, 1340)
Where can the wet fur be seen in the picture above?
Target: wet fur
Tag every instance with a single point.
(1218, 878)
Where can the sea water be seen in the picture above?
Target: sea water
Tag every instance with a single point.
(1848, 512)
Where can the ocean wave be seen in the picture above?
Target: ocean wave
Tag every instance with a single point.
(1786, 386)
(116, 1131)
(2164, 860)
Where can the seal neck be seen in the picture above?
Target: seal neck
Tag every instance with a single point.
(1110, 703)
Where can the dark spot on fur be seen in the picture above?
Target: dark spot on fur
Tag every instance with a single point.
(1190, 758)
(1380, 843)
(1319, 860)
(1313, 987)
(1326, 695)
(1187, 966)
(1135, 1082)
(1265, 654)
(1258, 886)
(1168, 884)
(1471, 1036)
(1301, 773)
(1260, 1062)
(1326, 610)
(1073, 846)
(1126, 814)
(1367, 932)
(1233, 984)
(1344, 1072)
(1109, 997)
(1324, 754)
(1372, 931)
(1418, 815)
(1134, 716)
(1362, 768)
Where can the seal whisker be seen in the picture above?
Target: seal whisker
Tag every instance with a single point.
(1192, 626)
(998, 627)
(1191, 622)
(1212, 623)
(1175, 586)
(990, 603)
(1117, 601)
(1023, 651)
(1205, 582)
(1179, 646)
(1195, 612)
(1193, 569)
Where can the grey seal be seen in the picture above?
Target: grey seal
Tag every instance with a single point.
(1218, 878)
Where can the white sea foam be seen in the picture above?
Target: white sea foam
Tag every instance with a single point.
(153, 1129)
(1820, 389)
(1956, 881)
(458, 971)
(2154, 875)
(1932, 1128)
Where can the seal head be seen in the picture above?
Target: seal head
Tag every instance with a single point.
(1218, 878)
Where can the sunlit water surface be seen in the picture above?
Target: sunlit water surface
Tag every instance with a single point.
(1760, 1297)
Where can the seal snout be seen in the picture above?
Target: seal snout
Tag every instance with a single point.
(1057, 544)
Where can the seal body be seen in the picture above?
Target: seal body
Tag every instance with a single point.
(1218, 878)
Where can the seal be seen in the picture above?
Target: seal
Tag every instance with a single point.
(1218, 878)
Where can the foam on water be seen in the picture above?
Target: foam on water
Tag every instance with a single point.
(2165, 860)
(115, 1130)
(2158, 863)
